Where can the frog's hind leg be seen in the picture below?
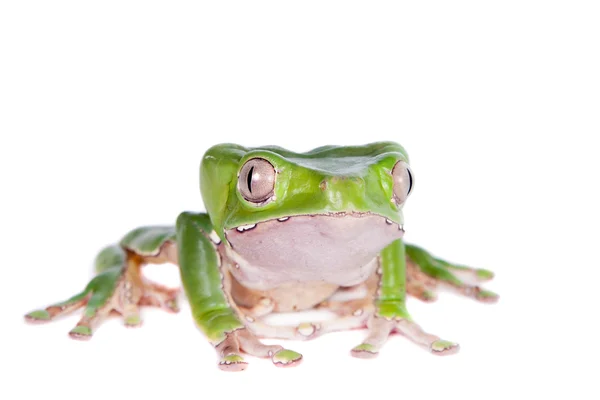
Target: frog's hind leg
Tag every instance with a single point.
(160, 296)
(242, 340)
(58, 309)
(119, 286)
(110, 264)
(425, 274)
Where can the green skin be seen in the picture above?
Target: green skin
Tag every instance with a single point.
(325, 181)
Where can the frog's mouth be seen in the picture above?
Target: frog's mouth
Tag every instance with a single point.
(323, 246)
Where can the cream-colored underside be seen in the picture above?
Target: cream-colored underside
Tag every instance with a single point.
(303, 260)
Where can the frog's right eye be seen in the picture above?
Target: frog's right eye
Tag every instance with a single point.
(256, 181)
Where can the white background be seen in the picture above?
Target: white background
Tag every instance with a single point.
(107, 108)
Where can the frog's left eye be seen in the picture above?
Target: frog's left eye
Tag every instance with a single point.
(403, 181)
(256, 181)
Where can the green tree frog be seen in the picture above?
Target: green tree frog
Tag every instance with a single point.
(282, 232)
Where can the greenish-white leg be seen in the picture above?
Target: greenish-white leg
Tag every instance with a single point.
(95, 297)
(99, 305)
(467, 273)
(426, 273)
(390, 313)
(422, 289)
(203, 281)
(58, 309)
(161, 296)
(118, 285)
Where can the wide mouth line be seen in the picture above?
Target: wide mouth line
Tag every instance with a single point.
(341, 214)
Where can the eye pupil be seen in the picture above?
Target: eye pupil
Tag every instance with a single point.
(410, 181)
(249, 179)
(256, 180)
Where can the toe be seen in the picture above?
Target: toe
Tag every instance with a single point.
(38, 316)
(286, 358)
(484, 274)
(172, 305)
(307, 330)
(444, 348)
(364, 350)
(81, 332)
(232, 363)
(133, 321)
(487, 296)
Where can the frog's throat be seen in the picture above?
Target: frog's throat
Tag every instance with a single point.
(334, 248)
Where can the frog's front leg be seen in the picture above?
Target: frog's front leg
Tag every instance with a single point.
(390, 309)
(212, 308)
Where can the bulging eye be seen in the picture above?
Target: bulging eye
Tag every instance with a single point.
(257, 180)
(403, 181)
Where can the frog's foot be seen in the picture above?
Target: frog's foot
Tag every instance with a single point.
(380, 329)
(422, 289)
(160, 296)
(435, 345)
(424, 274)
(117, 288)
(97, 300)
(242, 340)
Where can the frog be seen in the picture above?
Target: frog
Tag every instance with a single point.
(283, 232)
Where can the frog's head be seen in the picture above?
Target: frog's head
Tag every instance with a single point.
(334, 193)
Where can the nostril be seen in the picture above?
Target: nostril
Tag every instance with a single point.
(323, 185)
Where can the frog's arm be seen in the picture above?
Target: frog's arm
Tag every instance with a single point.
(391, 297)
(390, 308)
(205, 282)
(202, 279)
